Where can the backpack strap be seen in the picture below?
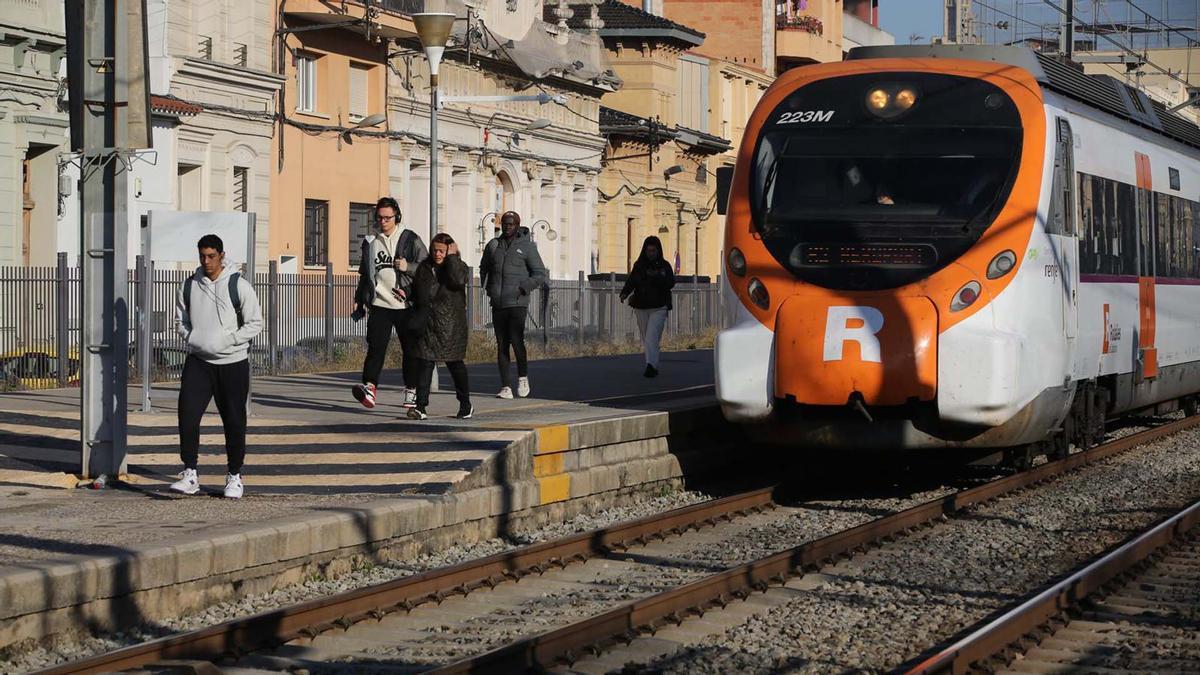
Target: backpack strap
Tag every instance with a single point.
(235, 296)
(404, 244)
(187, 296)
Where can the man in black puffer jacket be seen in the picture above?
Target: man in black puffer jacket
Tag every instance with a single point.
(510, 269)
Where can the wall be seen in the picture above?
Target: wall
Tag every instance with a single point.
(32, 47)
(321, 165)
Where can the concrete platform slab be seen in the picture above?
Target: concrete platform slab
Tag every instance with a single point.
(325, 480)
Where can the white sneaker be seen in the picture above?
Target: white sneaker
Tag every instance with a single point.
(188, 483)
(505, 392)
(410, 398)
(522, 386)
(233, 486)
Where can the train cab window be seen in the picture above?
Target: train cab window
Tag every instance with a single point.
(846, 198)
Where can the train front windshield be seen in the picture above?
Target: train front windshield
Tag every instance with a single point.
(875, 181)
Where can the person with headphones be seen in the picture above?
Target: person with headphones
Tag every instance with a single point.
(385, 276)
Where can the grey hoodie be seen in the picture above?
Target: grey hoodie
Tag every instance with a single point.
(210, 329)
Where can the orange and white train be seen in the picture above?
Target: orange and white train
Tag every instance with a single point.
(958, 247)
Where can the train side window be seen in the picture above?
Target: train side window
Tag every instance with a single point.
(1164, 252)
(1126, 227)
(1142, 219)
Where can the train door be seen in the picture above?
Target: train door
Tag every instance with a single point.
(1063, 223)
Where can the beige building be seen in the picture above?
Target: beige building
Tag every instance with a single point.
(33, 131)
(539, 159)
(213, 103)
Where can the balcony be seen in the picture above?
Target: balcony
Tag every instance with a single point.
(807, 31)
(388, 24)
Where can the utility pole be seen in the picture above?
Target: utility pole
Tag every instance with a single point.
(109, 103)
(1066, 31)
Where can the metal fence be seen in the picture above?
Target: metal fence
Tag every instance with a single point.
(307, 319)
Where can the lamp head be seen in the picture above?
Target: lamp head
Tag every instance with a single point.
(433, 28)
(371, 120)
(672, 170)
(540, 123)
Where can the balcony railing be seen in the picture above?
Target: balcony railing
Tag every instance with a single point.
(804, 22)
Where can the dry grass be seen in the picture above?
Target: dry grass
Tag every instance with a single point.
(481, 348)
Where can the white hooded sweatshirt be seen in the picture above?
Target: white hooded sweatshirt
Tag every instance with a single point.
(210, 328)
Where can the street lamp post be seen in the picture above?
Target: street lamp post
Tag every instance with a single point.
(433, 28)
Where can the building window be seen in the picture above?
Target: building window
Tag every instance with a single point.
(241, 189)
(358, 92)
(316, 232)
(306, 82)
(361, 216)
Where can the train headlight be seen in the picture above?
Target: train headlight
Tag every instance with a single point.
(758, 293)
(1002, 264)
(965, 297)
(737, 262)
(878, 100)
(890, 100)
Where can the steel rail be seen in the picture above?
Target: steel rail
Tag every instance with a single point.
(624, 623)
(997, 635)
(308, 619)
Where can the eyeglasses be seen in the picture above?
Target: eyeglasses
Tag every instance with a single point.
(380, 216)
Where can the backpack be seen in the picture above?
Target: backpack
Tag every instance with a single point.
(235, 296)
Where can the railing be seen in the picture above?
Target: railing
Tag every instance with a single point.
(307, 320)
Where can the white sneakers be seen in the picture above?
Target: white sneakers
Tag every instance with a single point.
(233, 486)
(522, 389)
(410, 398)
(189, 484)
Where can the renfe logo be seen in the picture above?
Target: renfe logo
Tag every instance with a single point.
(858, 324)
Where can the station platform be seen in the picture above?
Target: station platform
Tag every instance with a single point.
(325, 478)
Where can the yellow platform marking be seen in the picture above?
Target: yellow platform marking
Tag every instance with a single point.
(555, 438)
(548, 465)
(555, 488)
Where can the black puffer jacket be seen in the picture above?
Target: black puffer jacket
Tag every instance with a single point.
(511, 269)
(650, 283)
(443, 291)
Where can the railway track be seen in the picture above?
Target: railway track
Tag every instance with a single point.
(352, 631)
(1136, 609)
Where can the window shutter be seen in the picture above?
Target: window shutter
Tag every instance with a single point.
(358, 92)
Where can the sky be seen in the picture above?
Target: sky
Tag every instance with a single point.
(1021, 18)
(902, 18)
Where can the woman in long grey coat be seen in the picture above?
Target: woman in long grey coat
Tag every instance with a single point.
(440, 289)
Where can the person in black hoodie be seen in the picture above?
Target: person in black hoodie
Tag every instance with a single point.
(649, 283)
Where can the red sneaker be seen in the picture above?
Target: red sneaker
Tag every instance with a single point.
(365, 394)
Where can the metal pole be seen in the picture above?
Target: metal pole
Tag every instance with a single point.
(612, 306)
(579, 299)
(433, 163)
(62, 341)
(104, 342)
(1066, 40)
(273, 316)
(145, 334)
(328, 310)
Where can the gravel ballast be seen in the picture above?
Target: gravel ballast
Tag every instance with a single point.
(884, 608)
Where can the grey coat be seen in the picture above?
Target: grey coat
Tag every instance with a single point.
(442, 292)
(510, 266)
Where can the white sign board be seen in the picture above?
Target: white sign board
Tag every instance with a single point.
(171, 236)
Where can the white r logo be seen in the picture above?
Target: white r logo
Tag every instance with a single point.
(838, 331)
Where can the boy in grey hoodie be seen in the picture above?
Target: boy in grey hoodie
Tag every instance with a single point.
(218, 314)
